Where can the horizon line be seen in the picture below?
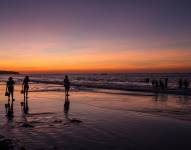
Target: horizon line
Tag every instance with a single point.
(146, 70)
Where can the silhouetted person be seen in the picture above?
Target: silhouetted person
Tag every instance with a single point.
(156, 84)
(166, 83)
(161, 84)
(147, 80)
(25, 86)
(180, 83)
(10, 88)
(186, 84)
(153, 83)
(66, 85)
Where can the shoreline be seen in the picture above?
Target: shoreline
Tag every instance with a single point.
(95, 120)
(147, 89)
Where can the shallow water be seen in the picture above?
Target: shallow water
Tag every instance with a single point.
(117, 81)
(97, 119)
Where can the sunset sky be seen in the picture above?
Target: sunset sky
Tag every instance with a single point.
(95, 35)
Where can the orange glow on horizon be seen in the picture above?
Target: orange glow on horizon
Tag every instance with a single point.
(95, 60)
(116, 36)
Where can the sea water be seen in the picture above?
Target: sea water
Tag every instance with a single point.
(97, 118)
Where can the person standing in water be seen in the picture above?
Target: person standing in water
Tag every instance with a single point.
(166, 83)
(25, 86)
(186, 84)
(66, 85)
(180, 83)
(10, 88)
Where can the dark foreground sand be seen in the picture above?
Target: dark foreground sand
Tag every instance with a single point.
(97, 120)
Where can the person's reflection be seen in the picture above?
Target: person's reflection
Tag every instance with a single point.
(164, 97)
(9, 109)
(161, 97)
(66, 106)
(66, 110)
(187, 98)
(156, 97)
(25, 106)
(184, 99)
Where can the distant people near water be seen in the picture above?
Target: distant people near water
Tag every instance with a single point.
(147, 80)
(166, 83)
(10, 88)
(180, 83)
(66, 85)
(186, 84)
(183, 83)
(25, 86)
(155, 84)
(161, 84)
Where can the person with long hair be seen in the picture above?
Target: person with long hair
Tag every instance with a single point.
(25, 86)
(66, 85)
(10, 88)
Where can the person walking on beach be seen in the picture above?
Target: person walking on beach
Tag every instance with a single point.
(25, 86)
(66, 85)
(10, 88)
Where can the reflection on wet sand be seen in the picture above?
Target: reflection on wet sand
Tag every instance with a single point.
(107, 118)
(161, 97)
(24, 106)
(66, 106)
(184, 99)
(9, 109)
(25, 112)
(66, 111)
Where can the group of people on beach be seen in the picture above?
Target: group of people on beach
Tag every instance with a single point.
(10, 87)
(163, 83)
(183, 84)
(25, 87)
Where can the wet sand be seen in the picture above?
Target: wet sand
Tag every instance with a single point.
(100, 119)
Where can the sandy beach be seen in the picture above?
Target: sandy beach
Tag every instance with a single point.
(97, 119)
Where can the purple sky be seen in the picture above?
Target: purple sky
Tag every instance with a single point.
(73, 27)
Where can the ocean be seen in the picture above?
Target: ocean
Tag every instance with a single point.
(100, 114)
(115, 81)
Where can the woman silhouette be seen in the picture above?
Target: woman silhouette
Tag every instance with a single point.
(66, 85)
(10, 88)
(25, 86)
